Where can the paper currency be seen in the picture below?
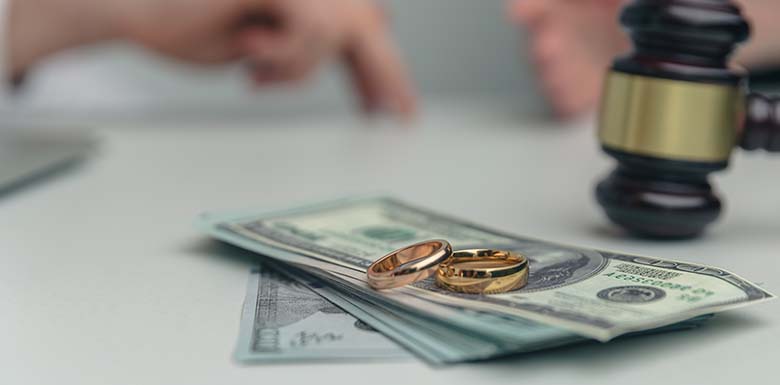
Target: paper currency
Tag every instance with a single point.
(591, 293)
(441, 340)
(435, 342)
(285, 321)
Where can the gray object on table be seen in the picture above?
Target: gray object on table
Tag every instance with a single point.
(28, 155)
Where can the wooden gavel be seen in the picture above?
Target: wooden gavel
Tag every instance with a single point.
(672, 112)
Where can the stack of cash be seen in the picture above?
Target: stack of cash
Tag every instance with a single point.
(573, 294)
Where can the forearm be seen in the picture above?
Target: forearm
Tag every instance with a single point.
(763, 49)
(39, 28)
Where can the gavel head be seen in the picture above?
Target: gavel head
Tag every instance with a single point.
(670, 114)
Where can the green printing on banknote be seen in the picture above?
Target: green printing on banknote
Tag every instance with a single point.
(577, 291)
(283, 320)
(440, 343)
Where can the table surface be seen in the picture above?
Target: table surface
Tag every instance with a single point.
(104, 279)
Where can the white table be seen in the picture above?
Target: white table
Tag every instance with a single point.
(104, 280)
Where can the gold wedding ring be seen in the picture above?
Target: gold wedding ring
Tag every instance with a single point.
(483, 271)
(409, 264)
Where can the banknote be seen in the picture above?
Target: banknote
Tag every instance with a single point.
(440, 340)
(285, 321)
(596, 294)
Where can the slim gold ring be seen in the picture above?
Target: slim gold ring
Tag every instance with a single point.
(408, 265)
(483, 271)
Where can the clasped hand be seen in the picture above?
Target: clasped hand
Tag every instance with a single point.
(283, 40)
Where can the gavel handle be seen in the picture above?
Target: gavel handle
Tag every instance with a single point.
(762, 123)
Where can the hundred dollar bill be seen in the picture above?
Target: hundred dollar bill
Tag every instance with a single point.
(284, 320)
(593, 293)
(437, 340)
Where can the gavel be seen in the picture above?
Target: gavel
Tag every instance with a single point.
(672, 111)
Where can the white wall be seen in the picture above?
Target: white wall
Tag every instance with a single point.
(455, 48)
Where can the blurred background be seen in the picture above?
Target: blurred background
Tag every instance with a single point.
(455, 49)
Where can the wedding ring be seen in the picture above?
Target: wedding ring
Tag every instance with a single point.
(483, 271)
(408, 265)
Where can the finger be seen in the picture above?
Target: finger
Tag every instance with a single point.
(550, 44)
(573, 84)
(379, 75)
(529, 12)
(270, 54)
(262, 45)
(286, 63)
(368, 95)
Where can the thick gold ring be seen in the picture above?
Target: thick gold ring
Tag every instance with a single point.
(483, 271)
(409, 264)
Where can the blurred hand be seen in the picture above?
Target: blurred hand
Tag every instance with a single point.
(573, 44)
(285, 40)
